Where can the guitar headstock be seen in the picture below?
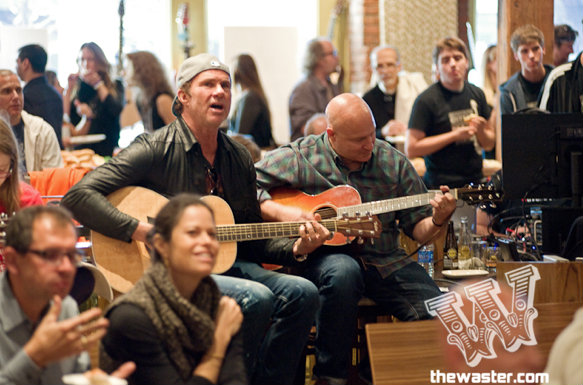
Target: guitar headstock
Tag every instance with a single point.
(479, 193)
(363, 227)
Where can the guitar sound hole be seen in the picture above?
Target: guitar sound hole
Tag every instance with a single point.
(326, 212)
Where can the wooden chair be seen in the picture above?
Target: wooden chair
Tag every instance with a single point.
(404, 353)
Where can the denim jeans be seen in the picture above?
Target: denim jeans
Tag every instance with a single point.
(293, 305)
(342, 282)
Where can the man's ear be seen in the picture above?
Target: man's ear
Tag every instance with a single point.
(182, 96)
(10, 258)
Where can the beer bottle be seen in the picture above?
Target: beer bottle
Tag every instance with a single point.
(450, 260)
(464, 258)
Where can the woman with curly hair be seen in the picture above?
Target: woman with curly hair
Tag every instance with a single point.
(155, 95)
(94, 96)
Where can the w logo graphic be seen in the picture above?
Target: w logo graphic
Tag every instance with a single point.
(490, 317)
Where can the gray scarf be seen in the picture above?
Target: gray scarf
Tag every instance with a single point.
(186, 328)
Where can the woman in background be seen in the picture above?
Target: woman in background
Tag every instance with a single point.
(93, 95)
(155, 96)
(174, 324)
(490, 69)
(14, 193)
(251, 115)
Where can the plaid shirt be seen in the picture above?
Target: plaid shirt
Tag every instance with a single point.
(312, 166)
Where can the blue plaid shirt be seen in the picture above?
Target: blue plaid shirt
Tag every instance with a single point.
(311, 165)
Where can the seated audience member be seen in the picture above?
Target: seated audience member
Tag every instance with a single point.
(14, 193)
(251, 115)
(350, 153)
(279, 309)
(392, 98)
(38, 146)
(155, 95)
(174, 323)
(562, 91)
(93, 95)
(316, 125)
(522, 89)
(40, 99)
(312, 94)
(42, 335)
(250, 145)
(449, 122)
(565, 36)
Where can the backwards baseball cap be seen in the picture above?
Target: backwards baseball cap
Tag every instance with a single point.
(192, 67)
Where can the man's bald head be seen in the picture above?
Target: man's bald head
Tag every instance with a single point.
(351, 129)
(347, 111)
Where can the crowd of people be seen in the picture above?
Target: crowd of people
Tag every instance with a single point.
(181, 323)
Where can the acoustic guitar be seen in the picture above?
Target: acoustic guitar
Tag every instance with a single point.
(345, 201)
(124, 263)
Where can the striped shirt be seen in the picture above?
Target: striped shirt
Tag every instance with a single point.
(311, 165)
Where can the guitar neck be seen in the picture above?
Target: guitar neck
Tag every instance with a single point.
(389, 205)
(254, 231)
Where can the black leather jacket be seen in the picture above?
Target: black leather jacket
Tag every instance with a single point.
(170, 161)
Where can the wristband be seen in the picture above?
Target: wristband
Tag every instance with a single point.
(98, 84)
(435, 224)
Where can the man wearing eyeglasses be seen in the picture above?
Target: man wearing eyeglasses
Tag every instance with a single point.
(312, 94)
(42, 336)
(191, 154)
(37, 141)
(391, 100)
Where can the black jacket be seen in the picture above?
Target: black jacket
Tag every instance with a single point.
(170, 161)
(562, 91)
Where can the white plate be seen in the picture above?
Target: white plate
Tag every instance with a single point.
(463, 273)
(87, 139)
(80, 379)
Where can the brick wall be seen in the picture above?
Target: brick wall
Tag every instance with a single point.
(364, 35)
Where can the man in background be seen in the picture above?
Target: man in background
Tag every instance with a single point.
(522, 89)
(40, 98)
(312, 94)
(449, 121)
(563, 46)
(563, 90)
(393, 96)
(38, 145)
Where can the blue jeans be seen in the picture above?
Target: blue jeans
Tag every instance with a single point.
(256, 302)
(342, 282)
(293, 305)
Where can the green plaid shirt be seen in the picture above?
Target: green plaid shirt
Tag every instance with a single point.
(311, 165)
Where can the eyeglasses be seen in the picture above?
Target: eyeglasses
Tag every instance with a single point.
(333, 53)
(54, 257)
(4, 174)
(212, 182)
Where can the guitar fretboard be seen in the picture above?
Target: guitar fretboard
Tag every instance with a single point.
(389, 205)
(246, 232)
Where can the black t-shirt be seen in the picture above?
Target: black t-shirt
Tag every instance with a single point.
(382, 106)
(438, 110)
(531, 90)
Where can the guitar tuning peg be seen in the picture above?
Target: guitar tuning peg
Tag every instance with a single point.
(360, 240)
(372, 241)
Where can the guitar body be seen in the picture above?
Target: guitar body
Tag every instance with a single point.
(124, 263)
(324, 204)
(223, 216)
